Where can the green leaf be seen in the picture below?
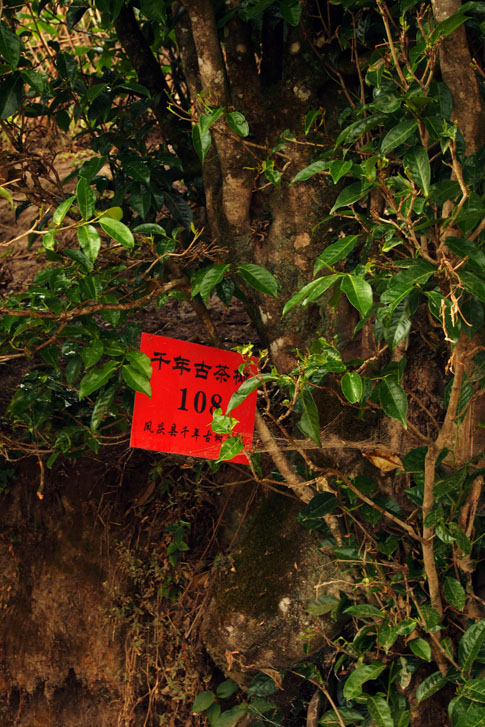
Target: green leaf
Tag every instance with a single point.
(208, 280)
(247, 387)
(363, 673)
(86, 198)
(92, 353)
(430, 686)
(351, 194)
(345, 715)
(115, 213)
(387, 636)
(11, 92)
(230, 717)
(310, 117)
(118, 231)
(102, 406)
(309, 171)
(447, 26)
(203, 701)
(61, 211)
(290, 11)
(380, 712)
(311, 291)
(398, 135)
(325, 603)
(10, 46)
(48, 240)
(7, 195)
(473, 717)
(474, 689)
(136, 380)
(454, 593)
(335, 252)
(201, 141)
(138, 170)
(311, 516)
(96, 378)
(149, 228)
(226, 689)
(358, 292)
(259, 278)
(237, 122)
(231, 447)
(339, 169)
(221, 423)
(473, 283)
(352, 386)
(421, 648)
(140, 361)
(364, 610)
(416, 163)
(402, 284)
(470, 645)
(80, 258)
(89, 241)
(310, 422)
(393, 400)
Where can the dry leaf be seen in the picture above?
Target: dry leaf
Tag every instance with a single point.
(385, 461)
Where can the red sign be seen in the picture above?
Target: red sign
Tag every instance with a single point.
(189, 382)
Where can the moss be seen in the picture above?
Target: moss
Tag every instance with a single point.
(263, 569)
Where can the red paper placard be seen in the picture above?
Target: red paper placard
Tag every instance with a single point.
(188, 382)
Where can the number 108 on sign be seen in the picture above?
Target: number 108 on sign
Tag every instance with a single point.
(189, 382)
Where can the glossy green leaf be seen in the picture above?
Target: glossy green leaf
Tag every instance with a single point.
(352, 386)
(310, 171)
(11, 93)
(421, 649)
(345, 715)
(141, 362)
(454, 593)
(136, 380)
(358, 292)
(92, 353)
(230, 448)
(474, 689)
(398, 135)
(430, 685)
(393, 400)
(325, 603)
(291, 11)
(5, 194)
(416, 163)
(247, 387)
(230, 717)
(351, 194)
(447, 26)
(311, 292)
(402, 284)
(259, 278)
(10, 46)
(138, 170)
(102, 406)
(236, 121)
(335, 252)
(86, 198)
(203, 701)
(206, 282)
(361, 675)
(201, 141)
(380, 712)
(89, 241)
(118, 231)
(364, 610)
(473, 283)
(226, 689)
(115, 213)
(149, 228)
(61, 211)
(473, 717)
(310, 422)
(470, 645)
(387, 635)
(310, 117)
(339, 169)
(49, 241)
(96, 378)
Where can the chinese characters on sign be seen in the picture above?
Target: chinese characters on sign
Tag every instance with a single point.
(189, 382)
